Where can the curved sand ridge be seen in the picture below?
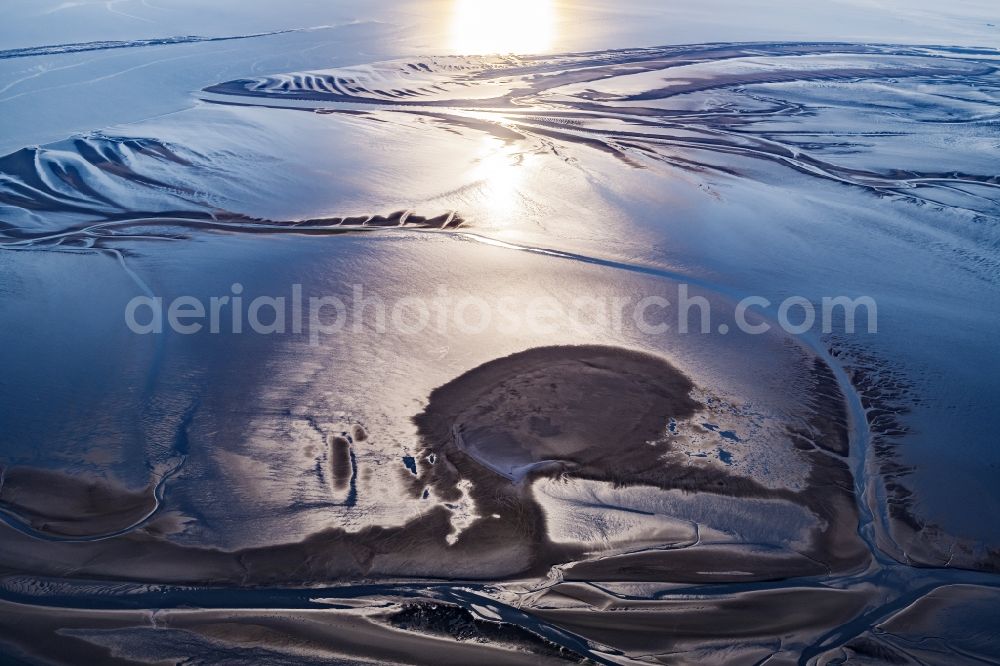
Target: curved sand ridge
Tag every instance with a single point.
(676, 104)
(673, 104)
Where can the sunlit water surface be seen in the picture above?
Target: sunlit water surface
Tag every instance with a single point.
(766, 168)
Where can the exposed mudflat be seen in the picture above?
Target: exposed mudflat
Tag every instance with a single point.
(584, 491)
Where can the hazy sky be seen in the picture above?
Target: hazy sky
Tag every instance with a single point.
(578, 24)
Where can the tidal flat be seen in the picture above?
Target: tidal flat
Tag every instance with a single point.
(533, 472)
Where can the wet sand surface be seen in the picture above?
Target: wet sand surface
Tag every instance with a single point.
(498, 436)
(46, 503)
(583, 494)
(490, 440)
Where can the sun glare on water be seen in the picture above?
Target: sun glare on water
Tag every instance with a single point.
(499, 172)
(482, 27)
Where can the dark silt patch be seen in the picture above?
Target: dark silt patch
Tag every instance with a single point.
(587, 410)
(65, 506)
(340, 461)
(459, 624)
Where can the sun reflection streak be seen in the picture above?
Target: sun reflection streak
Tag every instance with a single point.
(499, 171)
(482, 27)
